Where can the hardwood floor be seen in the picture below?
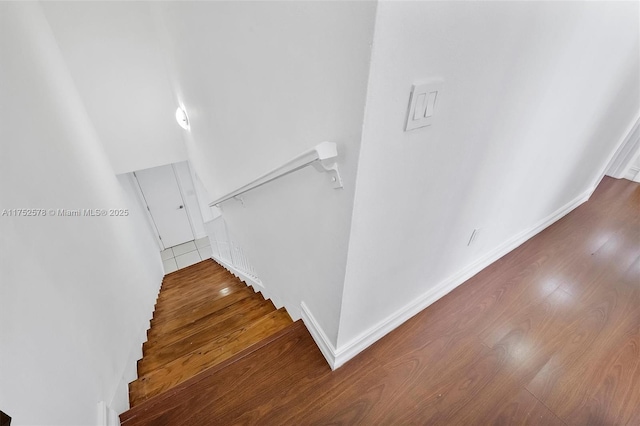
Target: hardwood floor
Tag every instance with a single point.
(547, 335)
(203, 316)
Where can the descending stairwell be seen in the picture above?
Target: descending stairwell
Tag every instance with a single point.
(226, 393)
(204, 316)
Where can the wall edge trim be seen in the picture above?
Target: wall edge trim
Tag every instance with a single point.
(632, 173)
(318, 335)
(107, 416)
(621, 159)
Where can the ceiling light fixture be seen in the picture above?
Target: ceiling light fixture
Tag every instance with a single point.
(182, 119)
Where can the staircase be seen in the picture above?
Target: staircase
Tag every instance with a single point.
(204, 317)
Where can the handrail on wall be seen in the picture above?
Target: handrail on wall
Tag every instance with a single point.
(323, 157)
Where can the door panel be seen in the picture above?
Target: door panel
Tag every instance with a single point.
(162, 195)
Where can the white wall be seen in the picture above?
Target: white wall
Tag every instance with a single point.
(536, 97)
(113, 54)
(207, 213)
(263, 82)
(76, 292)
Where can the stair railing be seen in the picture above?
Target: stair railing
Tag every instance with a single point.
(322, 157)
(226, 252)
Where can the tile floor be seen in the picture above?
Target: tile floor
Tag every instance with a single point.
(186, 254)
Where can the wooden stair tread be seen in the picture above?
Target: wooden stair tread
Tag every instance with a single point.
(205, 273)
(183, 318)
(202, 323)
(164, 354)
(179, 293)
(175, 288)
(195, 298)
(205, 268)
(179, 370)
(292, 342)
(203, 317)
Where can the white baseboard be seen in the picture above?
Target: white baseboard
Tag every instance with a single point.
(626, 152)
(632, 174)
(336, 357)
(319, 336)
(107, 416)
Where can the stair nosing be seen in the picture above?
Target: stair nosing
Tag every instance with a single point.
(229, 331)
(161, 324)
(156, 399)
(240, 332)
(158, 340)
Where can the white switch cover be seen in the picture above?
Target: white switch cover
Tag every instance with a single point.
(423, 104)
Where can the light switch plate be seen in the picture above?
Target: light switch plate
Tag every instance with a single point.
(423, 104)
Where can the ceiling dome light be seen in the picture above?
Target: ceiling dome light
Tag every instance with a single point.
(182, 119)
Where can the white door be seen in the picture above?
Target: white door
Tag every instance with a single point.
(162, 195)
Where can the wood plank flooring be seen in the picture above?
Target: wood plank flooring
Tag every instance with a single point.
(547, 335)
(203, 316)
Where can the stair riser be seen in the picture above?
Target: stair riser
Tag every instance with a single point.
(169, 326)
(163, 355)
(202, 323)
(184, 298)
(183, 368)
(203, 316)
